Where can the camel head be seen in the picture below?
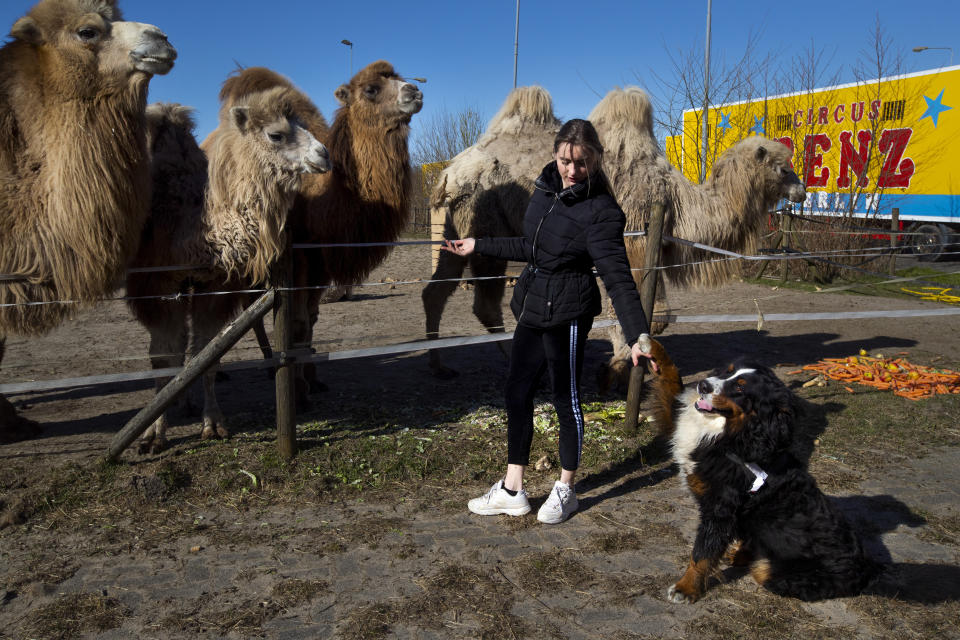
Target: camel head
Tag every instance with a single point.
(268, 121)
(769, 164)
(85, 48)
(377, 94)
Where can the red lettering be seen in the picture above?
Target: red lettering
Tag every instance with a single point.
(812, 160)
(798, 118)
(895, 172)
(855, 115)
(836, 114)
(854, 160)
(810, 115)
(787, 141)
(824, 114)
(874, 110)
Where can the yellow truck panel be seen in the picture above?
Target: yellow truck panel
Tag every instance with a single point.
(861, 148)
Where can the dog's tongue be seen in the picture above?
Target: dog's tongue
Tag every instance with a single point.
(704, 405)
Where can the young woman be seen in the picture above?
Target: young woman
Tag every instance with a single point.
(572, 224)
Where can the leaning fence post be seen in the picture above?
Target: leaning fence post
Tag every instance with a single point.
(281, 281)
(648, 294)
(894, 228)
(220, 344)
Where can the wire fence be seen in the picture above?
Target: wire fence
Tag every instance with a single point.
(325, 350)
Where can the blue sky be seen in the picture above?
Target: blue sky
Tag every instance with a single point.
(465, 50)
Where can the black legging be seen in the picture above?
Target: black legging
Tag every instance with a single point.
(558, 350)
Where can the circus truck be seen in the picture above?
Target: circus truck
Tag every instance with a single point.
(865, 150)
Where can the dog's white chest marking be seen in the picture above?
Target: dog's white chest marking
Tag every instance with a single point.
(692, 428)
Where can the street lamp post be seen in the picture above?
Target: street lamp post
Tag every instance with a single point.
(516, 45)
(349, 44)
(950, 49)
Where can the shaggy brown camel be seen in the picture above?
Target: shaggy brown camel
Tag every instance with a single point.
(484, 193)
(74, 172)
(728, 211)
(365, 198)
(225, 206)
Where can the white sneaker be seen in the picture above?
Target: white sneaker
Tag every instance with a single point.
(497, 501)
(561, 502)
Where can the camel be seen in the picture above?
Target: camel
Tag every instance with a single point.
(222, 205)
(483, 192)
(74, 171)
(727, 211)
(365, 198)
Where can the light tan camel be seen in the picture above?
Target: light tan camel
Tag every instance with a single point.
(484, 193)
(728, 211)
(365, 198)
(74, 172)
(225, 206)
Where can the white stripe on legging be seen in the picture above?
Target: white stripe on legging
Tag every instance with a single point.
(574, 398)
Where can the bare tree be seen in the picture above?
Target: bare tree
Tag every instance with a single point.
(747, 77)
(446, 134)
(437, 141)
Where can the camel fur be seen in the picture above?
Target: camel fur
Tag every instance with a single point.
(222, 206)
(74, 172)
(365, 198)
(728, 211)
(483, 192)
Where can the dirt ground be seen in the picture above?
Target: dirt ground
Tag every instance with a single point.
(405, 568)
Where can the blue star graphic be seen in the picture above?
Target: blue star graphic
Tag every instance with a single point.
(757, 127)
(935, 107)
(724, 121)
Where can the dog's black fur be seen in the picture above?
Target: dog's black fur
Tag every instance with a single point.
(795, 541)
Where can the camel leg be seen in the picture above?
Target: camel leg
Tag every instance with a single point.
(209, 315)
(615, 374)
(14, 427)
(168, 344)
(434, 297)
(488, 295)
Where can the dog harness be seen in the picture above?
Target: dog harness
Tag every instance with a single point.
(759, 475)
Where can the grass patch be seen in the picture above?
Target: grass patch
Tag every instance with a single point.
(456, 597)
(754, 615)
(74, 614)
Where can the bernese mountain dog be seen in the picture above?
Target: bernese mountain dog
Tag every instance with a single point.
(732, 436)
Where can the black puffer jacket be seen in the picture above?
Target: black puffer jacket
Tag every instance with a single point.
(566, 233)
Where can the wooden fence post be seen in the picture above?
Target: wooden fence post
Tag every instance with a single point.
(894, 229)
(648, 294)
(281, 280)
(212, 352)
(788, 238)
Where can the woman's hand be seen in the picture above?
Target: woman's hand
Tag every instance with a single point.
(462, 247)
(637, 351)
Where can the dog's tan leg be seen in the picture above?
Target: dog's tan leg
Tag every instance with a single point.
(760, 571)
(693, 584)
(738, 554)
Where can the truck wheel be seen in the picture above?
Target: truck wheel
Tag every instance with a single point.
(930, 242)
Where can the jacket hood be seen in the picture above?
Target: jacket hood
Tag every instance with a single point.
(551, 182)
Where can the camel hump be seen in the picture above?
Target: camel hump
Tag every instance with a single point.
(244, 81)
(630, 105)
(170, 114)
(531, 104)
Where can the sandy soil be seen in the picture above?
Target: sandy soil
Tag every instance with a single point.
(376, 576)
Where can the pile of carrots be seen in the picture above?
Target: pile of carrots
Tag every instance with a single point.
(905, 379)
